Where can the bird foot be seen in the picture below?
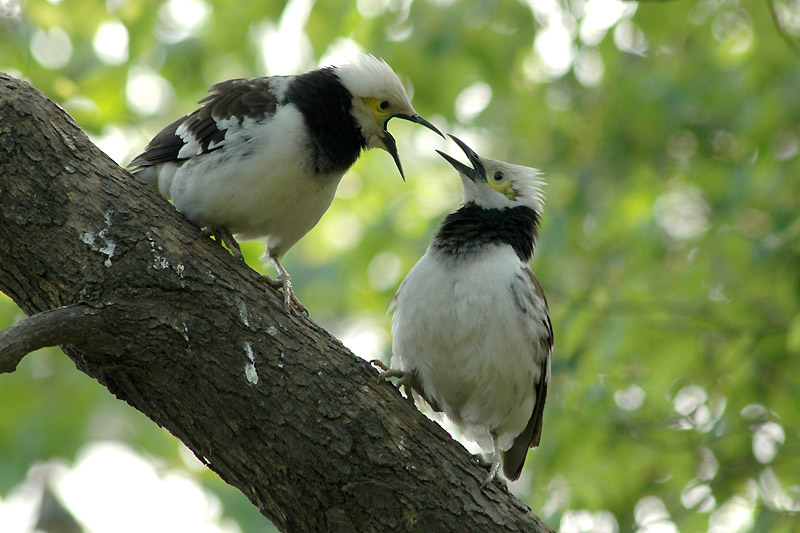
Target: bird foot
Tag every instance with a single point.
(407, 380)
(284, 282)
(494, 466)
(224, 236)
(380, 364)
(387, 373)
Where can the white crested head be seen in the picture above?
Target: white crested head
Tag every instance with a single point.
(378, 96)
(495, 184)
(507, 185)
(370, 77)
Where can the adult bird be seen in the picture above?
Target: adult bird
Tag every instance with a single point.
(262, 157)
(471, 329)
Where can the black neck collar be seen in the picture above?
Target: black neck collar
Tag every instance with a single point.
(326, 105)
(471, 228)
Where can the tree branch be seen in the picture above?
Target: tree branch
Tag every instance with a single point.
(64, 325)
(193, 339)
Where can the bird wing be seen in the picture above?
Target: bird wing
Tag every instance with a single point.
(529, 297)
(203, 130)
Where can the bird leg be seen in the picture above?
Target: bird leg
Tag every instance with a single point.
(284, 282)
(495, 464)
(224, 236)
(407, 380)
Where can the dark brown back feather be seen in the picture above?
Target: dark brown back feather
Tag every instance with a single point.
(232, 98)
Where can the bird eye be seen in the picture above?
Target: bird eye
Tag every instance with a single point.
(384, 105)
(498, 176)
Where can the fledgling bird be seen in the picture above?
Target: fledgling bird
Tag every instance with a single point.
(471, 328)
(262, 157)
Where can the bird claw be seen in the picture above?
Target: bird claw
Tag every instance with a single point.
(284, 282)
(383, 369)
(495, 466)
(387, 373)
(497, 459)
(380, 364)
(408, 381)
(225, 237)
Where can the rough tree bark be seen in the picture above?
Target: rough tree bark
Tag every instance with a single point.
(171, 323)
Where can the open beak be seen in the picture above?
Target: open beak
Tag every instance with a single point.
(391, 147)
(391, 144)
(419, 120)
(477, 173)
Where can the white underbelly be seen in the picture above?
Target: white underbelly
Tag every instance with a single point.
(264, 187)
(462, 332)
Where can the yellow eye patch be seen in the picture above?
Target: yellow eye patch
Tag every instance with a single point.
(503, 187)
(380, 108)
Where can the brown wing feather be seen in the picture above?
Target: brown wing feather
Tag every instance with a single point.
(232, 98)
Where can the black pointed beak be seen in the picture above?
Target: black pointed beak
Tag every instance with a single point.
(391, 147)
(477, 173)
(391, 144)
(419, 120)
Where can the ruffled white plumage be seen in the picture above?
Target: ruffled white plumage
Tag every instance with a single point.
(472, 349)
(470, 326)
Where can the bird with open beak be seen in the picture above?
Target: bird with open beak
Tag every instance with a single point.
(262, 157)
(471, 331)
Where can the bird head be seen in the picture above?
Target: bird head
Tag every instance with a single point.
(378, 96)
(495, 184)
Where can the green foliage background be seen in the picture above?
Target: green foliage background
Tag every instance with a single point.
(669, 250)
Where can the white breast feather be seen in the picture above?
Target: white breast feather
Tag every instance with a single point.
(261, 184)
(458, 326)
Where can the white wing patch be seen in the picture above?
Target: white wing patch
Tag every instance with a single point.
(191, 147)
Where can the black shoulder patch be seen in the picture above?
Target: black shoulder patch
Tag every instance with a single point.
(326, 105)
(471, 228)
(238, 98)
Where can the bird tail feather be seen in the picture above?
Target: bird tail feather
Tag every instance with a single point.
(514, 458)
